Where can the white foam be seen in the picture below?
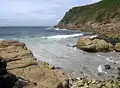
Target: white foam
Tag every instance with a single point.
(101, 69)
(110, 60)
(57, 29)
(93, 36)
(62, 36)
(49, 27)
(60, 29)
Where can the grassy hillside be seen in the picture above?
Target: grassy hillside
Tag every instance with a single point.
(105, 11)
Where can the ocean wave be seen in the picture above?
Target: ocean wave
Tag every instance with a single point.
(101, 69)
(93, 36)
(57, 29)
(63, 36)
(51, 27)
(60, 29)
(112, 61)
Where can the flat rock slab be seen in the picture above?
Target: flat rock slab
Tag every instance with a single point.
(22, 64)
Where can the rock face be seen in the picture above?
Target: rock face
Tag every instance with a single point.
(6, 80)
(102, 18)
(30, 74)
(95, 45)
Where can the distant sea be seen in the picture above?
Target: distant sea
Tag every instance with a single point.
(54, 46)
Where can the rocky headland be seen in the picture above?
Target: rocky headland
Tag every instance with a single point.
(102, 18)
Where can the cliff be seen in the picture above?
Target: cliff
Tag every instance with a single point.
(102, 17)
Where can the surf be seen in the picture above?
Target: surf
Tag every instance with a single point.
(63, 36)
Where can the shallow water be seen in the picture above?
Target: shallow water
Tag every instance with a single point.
(76, 62)
(53, 46)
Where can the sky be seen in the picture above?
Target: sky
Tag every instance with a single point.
(36, 12)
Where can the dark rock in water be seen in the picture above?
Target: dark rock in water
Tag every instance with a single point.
(118, 68)
(107, 67)
(72, 46)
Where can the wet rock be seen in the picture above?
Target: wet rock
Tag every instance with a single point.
(92, 86)
(86, 85)
(80, 83)
(107, 67)
(93, 81)
(99, 85)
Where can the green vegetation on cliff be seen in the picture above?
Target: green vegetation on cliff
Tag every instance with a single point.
(102, 12)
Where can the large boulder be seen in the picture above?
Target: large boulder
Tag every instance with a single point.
(86, 44)
(22, 64)
(117, 47)
(100, 45)
(94, 45)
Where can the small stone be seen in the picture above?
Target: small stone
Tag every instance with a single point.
(99, 85)
(65, 84)
(89, 81)
(93, 81)
(108, 85)
(79, 78)
(80, 83)
(86, 85)
(51, 67)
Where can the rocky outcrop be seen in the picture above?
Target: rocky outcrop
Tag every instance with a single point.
(102, 18)
(95, 45)
(30, 74)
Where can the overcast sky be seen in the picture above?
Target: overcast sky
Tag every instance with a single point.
(36, 12)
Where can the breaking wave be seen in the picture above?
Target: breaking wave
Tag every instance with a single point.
(63, 36)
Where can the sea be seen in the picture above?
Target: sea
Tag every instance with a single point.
(55, 46)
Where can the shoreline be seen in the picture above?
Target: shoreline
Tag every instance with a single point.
(21, 51)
